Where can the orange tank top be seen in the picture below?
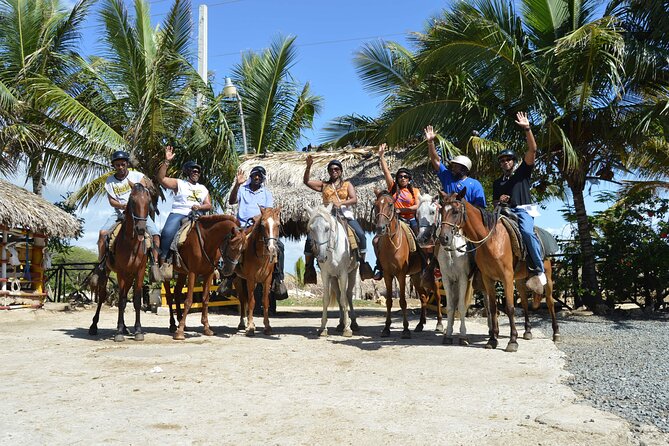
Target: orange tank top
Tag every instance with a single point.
(329, 192)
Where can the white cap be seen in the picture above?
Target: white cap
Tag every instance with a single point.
(463, 161)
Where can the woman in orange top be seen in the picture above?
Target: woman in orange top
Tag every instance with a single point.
(406, 200)
(341, 194)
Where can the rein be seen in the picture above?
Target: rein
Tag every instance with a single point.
(387, 232)
(460, 225)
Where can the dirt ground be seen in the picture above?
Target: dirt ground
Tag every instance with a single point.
(61, 386)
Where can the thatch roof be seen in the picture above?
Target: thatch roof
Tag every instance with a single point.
(361, 166)
(20, 208)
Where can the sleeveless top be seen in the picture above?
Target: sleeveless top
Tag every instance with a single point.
(329, 192)
(404, 199)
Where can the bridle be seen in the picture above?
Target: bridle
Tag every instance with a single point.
(224, 247)
(266, 240)
(457, 227)
(432, 227)
(332, 224)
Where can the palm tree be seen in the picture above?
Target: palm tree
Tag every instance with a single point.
(42, 123)
(482, 61)
(145, 87)
(276, 107)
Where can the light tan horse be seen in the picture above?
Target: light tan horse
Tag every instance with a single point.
(258, 259)
(210, 238)
(395, 258)
(496, 262)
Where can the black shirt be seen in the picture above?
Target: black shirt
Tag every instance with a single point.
(517, 186)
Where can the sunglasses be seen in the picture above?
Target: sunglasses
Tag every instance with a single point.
(194, 171)
(504, 160)
(403, 176)
(333, 169)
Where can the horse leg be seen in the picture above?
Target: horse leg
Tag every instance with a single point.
(343, 305)
(522, 292)
(179, 335)
(437, 296)
(265, 305)
(123, 286)
(137, 303)
(169, 297)
(451, 299)
(493, 328)
(512, 346)
(240, 286)
(424, 297)
(102, 296)
(388, 278)
(550, 302)
(325, 279)
(406, 333)
(351, 284)
(250, 306)
(462, 285)
(205, 305)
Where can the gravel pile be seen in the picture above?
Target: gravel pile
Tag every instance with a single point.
(620, 365)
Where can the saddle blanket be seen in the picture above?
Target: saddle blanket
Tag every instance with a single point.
(547, 243)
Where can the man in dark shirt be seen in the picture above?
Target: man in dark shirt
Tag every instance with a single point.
(512, 189)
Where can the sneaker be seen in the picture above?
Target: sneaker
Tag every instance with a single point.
(166, 271)
(279, 290)
(542, 278)
(366, 271)
(534, 284)
(154, 274)
(310, 274)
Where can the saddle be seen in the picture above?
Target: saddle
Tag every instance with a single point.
(187, 224)
(547, 243)
(410, 235)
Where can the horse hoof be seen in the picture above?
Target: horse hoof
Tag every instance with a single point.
(418, 328)
(208, 332)
(491, 345)
(511, 347)
(440, 328)
(355, 327)
(556, 337)
(339, 328)
(347, 333)
(448, 340)
(241, 327)
(251, 332)
(323, 333)
(119, 338)
(93, 331)
(406, 334)
(139, 336)
(126, 331)
(173, 328)
(267, 331)
(527, 336)
(179, 336)
(385, 333)
(464, 341)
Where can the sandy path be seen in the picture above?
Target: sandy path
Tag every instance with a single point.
(62, 387)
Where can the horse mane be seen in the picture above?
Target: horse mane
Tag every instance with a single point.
(488, 218)
(217, 218)
(320, 210)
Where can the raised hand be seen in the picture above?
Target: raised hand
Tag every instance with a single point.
(382, 149)
(169, 153)
(310, 160)
(429, 133)
(241, 176)
(521, 120)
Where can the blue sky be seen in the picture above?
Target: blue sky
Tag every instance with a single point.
(328, 34)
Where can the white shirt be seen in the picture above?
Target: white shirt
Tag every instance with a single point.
(187, 195)
(119, 190)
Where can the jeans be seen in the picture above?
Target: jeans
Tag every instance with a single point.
(169, 231)
(526, 226)
(359, 233)
(278, 267)
(151, 227)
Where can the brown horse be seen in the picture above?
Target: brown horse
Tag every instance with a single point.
(496, 262)
(128, 259)
(256, 267)
(210, 238)
(395, 258)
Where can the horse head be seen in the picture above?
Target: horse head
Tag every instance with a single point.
(320, 226)
(138, 207)
(453, 215)
(384, 208)
(427, 216)
(269, 228)
(231, 250)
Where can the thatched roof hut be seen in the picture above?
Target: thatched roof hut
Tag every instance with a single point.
(361, 166)
(20, 208)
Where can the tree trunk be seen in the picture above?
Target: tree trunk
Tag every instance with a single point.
(38, 180)
(592, 297)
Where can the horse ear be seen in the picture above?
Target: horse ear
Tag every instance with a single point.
(329, 207)
(461, 194)
(377, 191)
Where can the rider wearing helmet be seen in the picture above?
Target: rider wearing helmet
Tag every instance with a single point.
(455, 178)
(251, 194)
(512, 189)
(189, 196)
(118, 187)
(341, 194)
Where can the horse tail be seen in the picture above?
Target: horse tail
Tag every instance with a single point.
(333, 298)
(469, 294)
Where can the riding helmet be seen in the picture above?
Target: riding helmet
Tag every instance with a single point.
(335, 163)
(120, 155)
(509, 153)
(260, 170)
(188, 165)
(463, 161)
(402, 170)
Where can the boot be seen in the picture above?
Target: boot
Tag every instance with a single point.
(279, 289)
(378, 271)
(536, 283)
(309, 270)
(365, 270)
(166, 270)
(154, 273)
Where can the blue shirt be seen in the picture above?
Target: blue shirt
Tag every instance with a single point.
(251, 201)
(474, 194)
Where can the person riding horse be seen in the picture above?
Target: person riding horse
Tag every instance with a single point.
(189, 196)
(118, 187)
(455, 178)
(340, 194)
(252, 195)
(512, 190)
(406, 196)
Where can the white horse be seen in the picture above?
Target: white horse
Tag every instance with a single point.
(337, 264)
(455, 263)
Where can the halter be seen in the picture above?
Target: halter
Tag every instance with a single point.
(432, 225)
(461, 223)
(224, 250)
(386, 230)
(332, 224)
(264, 239)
